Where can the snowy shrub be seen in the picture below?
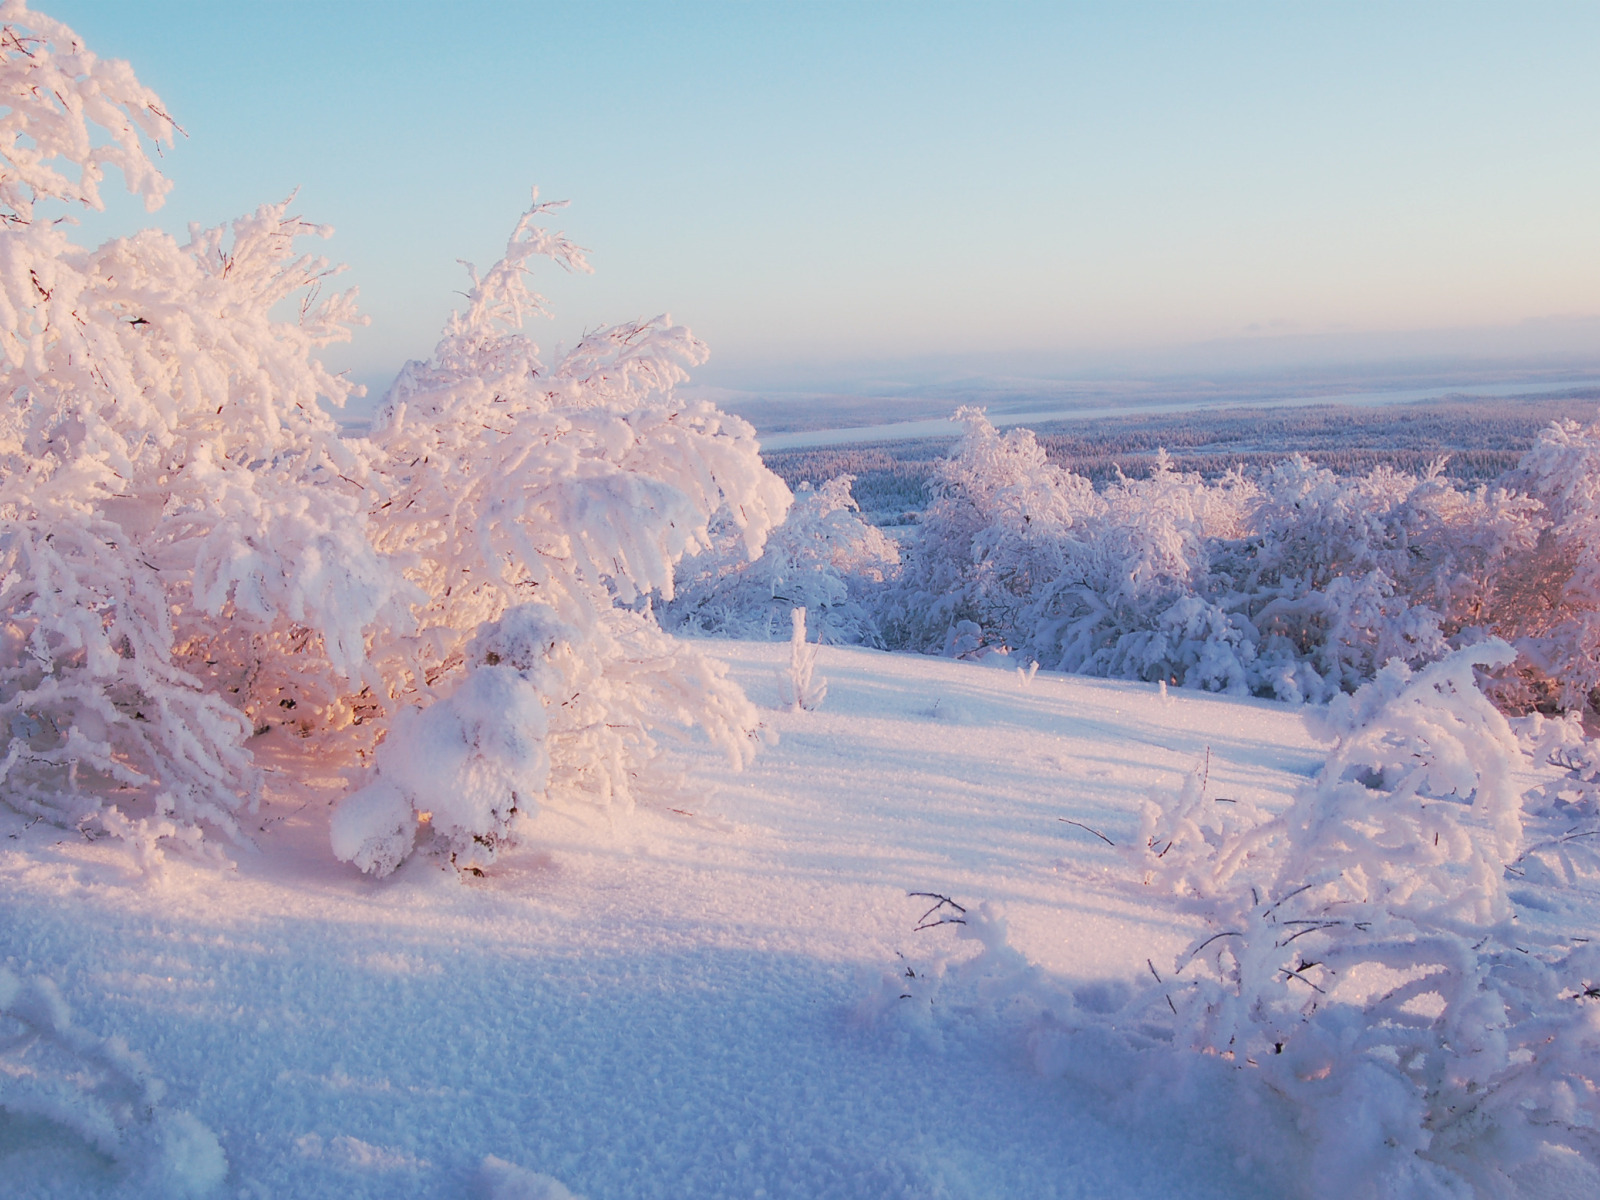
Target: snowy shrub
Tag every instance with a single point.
(1548, 603)
(1562, 817)
(823, 558)
(178, 515)
(1032, 558)
(190, 551)
(98, 1090)
(1362, 955)
(1361, 967)
(798, 686)
(1133, 598)
(993, 533)
(1299, 585)
(534, 509)
(1337, 575)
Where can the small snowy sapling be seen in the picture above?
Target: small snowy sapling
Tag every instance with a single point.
(800, 688)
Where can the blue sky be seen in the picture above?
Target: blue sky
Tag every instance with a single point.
(830, 191)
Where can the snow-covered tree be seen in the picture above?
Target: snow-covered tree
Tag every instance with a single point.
(1298, 585)
(1548, 601)
(1337, 574)
(190, 550)
(993, 534)
(178, 515)
(1133, 599)
(535, 509)
(823, 558)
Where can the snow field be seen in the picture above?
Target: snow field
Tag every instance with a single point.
(663, 1003)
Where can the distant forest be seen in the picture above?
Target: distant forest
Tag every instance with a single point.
(1479, 440)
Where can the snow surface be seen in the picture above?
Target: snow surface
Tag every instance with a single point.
(661, 1003)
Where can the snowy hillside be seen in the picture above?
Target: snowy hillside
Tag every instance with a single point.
(676, 1003)
(377, 822)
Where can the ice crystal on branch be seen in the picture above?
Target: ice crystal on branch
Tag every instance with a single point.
(59, 95)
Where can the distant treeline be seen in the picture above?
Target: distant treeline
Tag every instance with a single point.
(1479, 439)
(891, 477)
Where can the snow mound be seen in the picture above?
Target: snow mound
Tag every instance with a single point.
(501, 1180)
(98, 1090)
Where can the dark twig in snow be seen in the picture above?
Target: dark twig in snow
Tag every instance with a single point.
(1081, 825)
(944, 919)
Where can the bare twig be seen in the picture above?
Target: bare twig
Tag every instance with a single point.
(940, 902)
(1207, 942)
(1303, 887)
(1081, 825)
(1296, 975)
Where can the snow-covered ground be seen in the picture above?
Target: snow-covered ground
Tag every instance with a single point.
(664, 1003)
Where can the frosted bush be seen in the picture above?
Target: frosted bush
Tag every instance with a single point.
(1362, 955)
(1337, 575)
(1361, 969)
(178, 515)
(1562, 817)
(1299, 585)
(1549, 603)
(190, 551)
(467, 763)
(535, 509)
(823, 558)
(994, 532)
(1133, 599)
